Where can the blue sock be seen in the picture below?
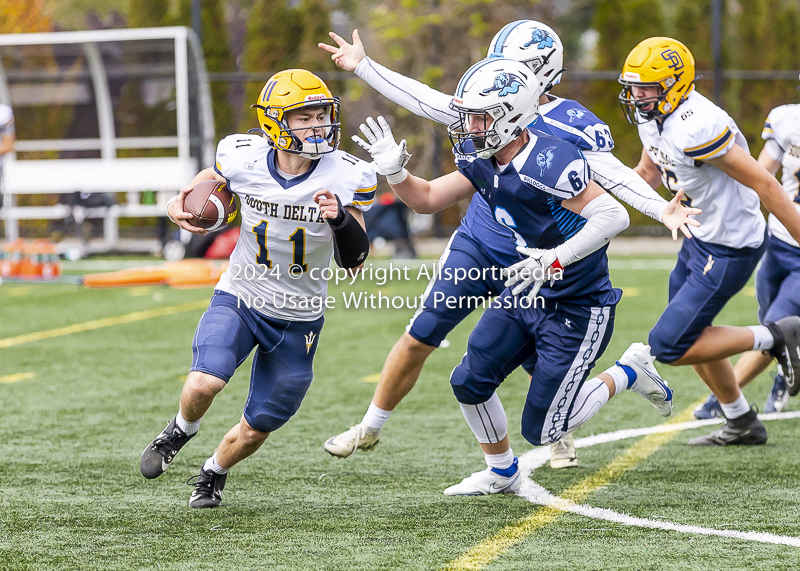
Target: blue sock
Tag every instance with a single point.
(507, 472)
(631, 374)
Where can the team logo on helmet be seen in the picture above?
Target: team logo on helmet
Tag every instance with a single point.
(674, 58)
(545, 159)
(505, 83)
(575, 114)
(540, 37)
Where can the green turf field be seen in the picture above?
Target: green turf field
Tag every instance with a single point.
(79, 407)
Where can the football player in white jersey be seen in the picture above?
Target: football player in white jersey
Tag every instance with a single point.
(691, 144)
(301, 203)
(484, 238)
(778, 277)
(7, 137)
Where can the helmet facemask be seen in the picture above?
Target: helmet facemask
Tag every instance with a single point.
(485, 142)
(634, 109)
(309, 142)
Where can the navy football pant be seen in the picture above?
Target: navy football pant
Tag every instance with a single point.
(778, 282)
(704, 279)
(563, 341)
(282, 367)
(434, 320)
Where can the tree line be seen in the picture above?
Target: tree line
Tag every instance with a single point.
(437, 40)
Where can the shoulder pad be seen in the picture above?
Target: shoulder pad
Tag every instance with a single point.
(574, 123)
(705, 135)
(353, 180)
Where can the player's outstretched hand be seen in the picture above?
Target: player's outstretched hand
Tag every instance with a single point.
(178, 215)
(328, 204)
(388, 156)
(347, 56)
(539, 266)
(676, 216)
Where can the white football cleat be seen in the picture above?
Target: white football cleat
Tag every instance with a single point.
(487, 482)
(648, 382)
(563, 453)
(359, 437)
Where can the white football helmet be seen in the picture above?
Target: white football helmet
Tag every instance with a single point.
(534, 44)
(495, 100)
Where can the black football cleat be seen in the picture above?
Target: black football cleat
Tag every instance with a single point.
(208, 486)
(160, 453)
(745, 430)
(786, 332)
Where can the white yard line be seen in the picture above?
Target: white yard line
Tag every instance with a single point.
(536, 494)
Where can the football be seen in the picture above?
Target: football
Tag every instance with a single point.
(212, 204)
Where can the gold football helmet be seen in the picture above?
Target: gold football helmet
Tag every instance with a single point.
(293, 89)
(661, 62)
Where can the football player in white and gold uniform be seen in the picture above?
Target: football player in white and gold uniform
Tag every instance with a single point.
(301, 202)
(778, 277)
(691, 144)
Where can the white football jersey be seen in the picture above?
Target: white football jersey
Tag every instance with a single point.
(783, 127)
(284, 236)
(697, 131)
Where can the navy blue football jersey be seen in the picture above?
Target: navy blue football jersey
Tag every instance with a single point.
(571, 121)
(563, 118)
(526, 198)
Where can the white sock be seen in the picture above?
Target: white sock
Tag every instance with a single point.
(592, 396)
(376, 417)
(737, 408)
(500, 461)
(213, 465)
(487, 420)
(620, 378)
(762, 338)
(188, 427)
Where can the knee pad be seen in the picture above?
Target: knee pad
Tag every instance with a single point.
(213, 350)
(467, 388)
(663, 352)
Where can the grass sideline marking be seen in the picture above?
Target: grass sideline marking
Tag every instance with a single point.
(537, 494)
(101, 323)
(489, 549)
(15, 378)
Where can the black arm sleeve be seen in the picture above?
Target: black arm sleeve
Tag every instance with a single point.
(350, 242)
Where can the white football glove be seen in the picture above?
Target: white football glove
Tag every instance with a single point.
(389, 157)
(540, 266)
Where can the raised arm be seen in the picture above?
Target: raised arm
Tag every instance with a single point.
(390, 159)
(626, 184)
(404, 91)
(739, 165)
(429, 197)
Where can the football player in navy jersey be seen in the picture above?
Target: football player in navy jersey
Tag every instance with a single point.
(562, 223)
(485, 238)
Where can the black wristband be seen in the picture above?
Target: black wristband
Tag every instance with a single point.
(339, 217)
(350, 241)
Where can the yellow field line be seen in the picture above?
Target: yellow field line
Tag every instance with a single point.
(100, 323)
(489, 549)
(15, 377)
